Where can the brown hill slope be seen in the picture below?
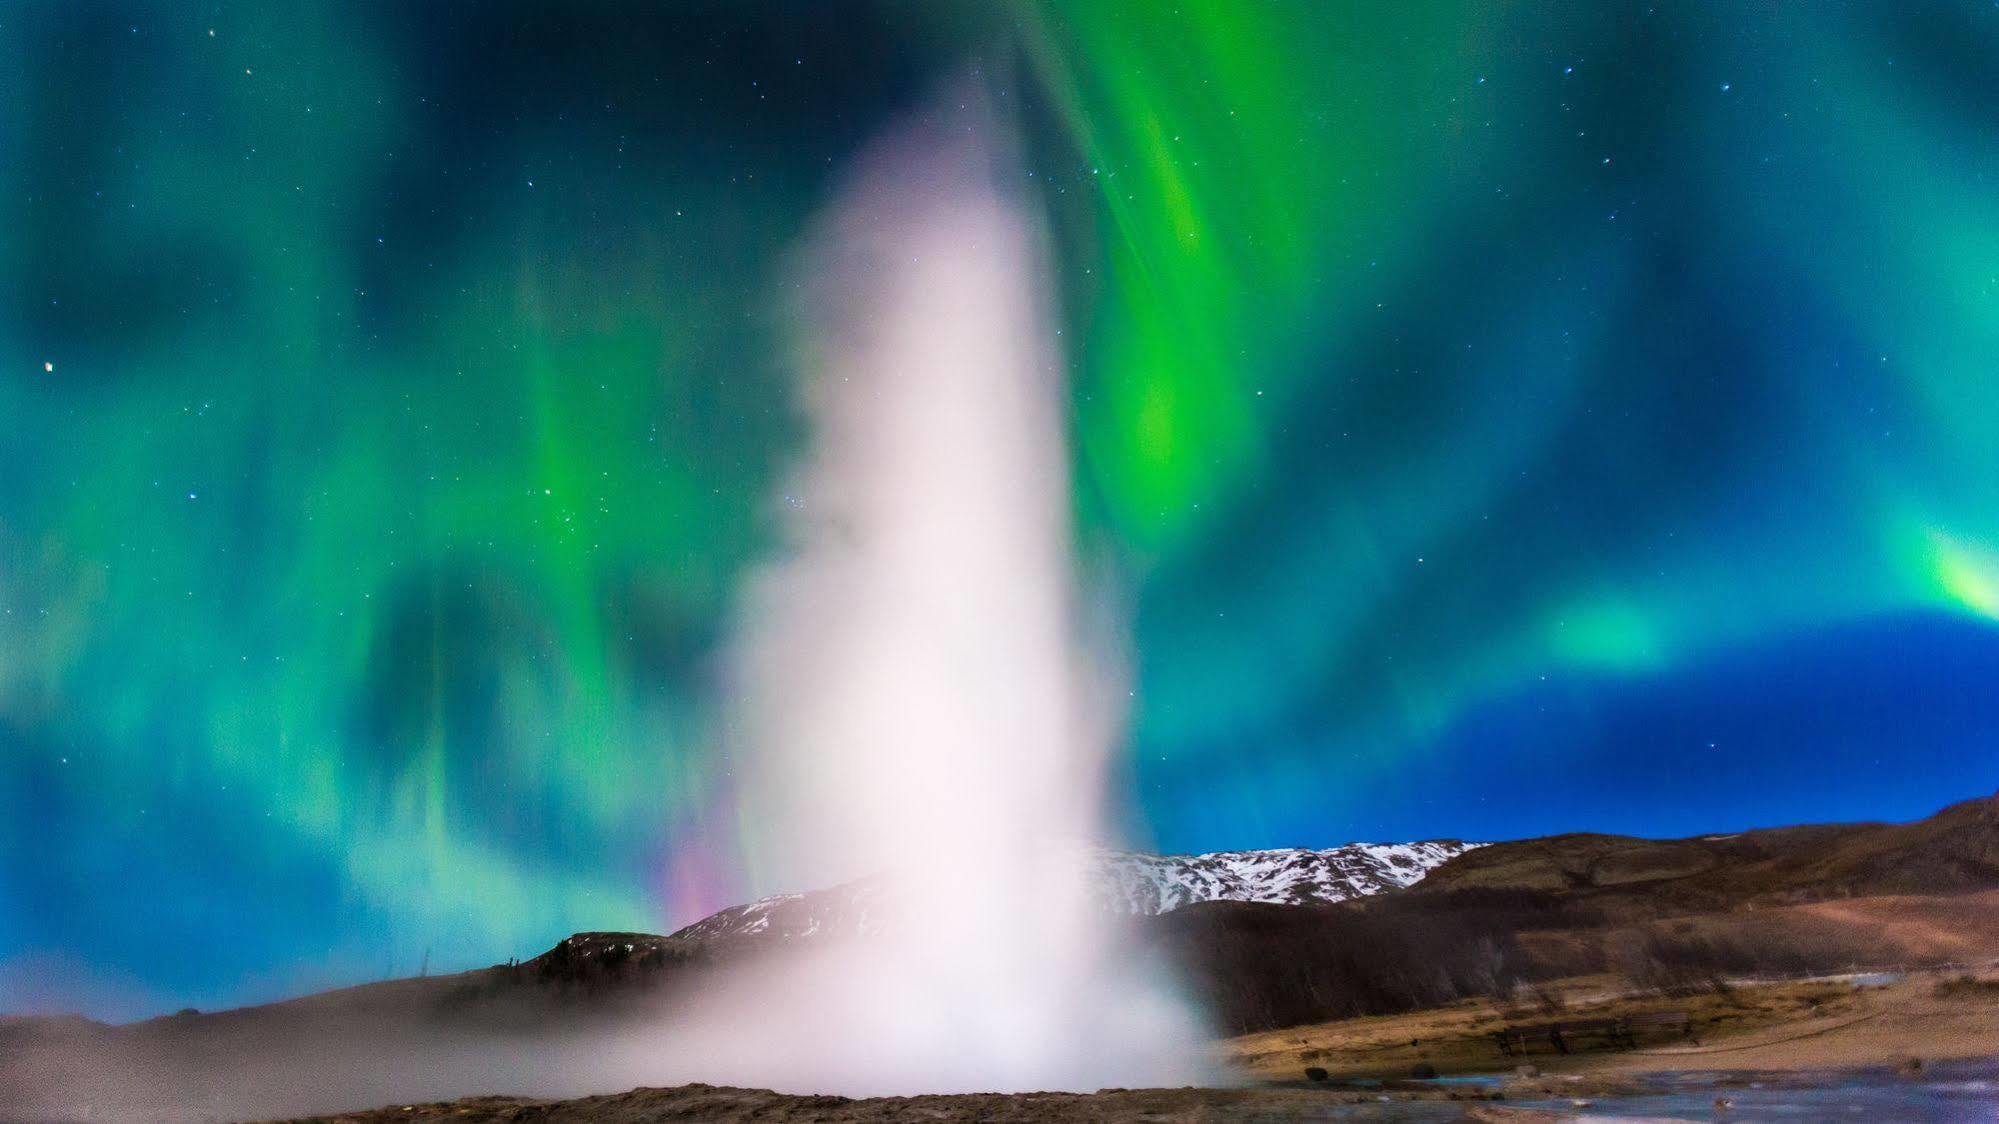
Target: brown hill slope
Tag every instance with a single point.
(1656, 912)
(1660, 913)
(1954, 851)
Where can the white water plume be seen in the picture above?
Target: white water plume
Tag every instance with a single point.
(916, 692)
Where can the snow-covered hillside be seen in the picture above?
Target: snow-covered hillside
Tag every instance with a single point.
(1134, 883)
(1123, 882)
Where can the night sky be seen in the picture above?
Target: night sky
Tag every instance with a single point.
(1493, 418)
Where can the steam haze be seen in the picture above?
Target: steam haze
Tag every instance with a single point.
(916, 692)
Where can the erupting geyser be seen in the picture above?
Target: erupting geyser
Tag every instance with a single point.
(915, 690)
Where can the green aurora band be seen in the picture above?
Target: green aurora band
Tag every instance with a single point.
(395, 396)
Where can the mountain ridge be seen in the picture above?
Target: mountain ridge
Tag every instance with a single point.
(1493, 923)
(1120, 883)
(1953, 850)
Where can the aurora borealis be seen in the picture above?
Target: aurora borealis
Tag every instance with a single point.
(1494, 418)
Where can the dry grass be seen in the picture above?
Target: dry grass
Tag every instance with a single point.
(1792, 1025)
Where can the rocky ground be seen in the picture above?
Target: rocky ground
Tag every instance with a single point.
(709, 1103)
